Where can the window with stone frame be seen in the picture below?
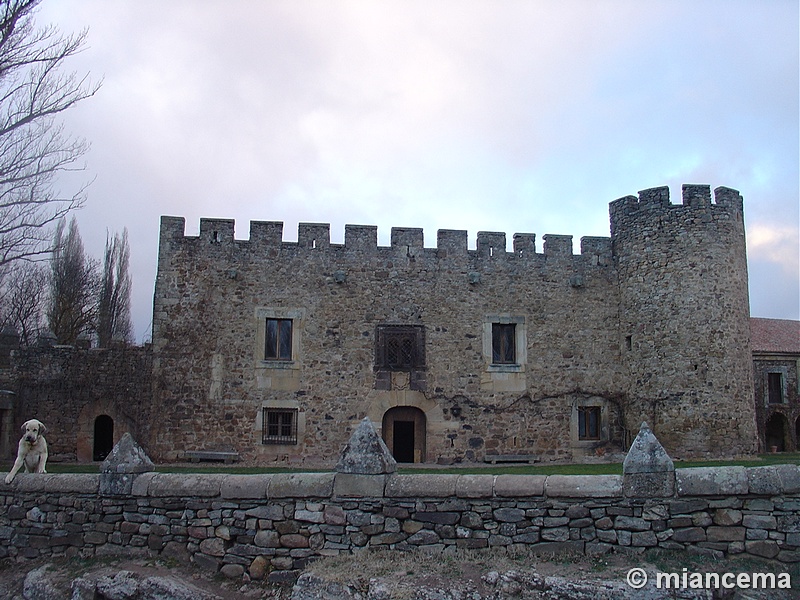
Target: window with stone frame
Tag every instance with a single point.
(278, 339)
(400, 347)
(775, 388)
(279, 426)
(504, 344)
(589, 422)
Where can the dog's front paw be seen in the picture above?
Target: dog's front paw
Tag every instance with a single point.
(9, 478)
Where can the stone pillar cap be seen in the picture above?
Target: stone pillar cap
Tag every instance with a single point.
(366, 453)
(646, 454)
(127, 457)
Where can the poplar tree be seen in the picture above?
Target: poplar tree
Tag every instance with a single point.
(114, 305)
(72, 305)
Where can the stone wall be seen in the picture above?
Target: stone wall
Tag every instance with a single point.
(273, 524)
(68, 388)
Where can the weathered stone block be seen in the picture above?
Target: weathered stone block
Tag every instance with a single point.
(245, 486)
(421, 486)
(515, 486)
(766, 548)
(512, 515)
(354, 485)
(764, 480)
(727, 516)
(583, 486)
(475, 486)
(760, 521)
(689, 534)
(725, 534)
(712, 481)
(301, 485)
(165, 485)
(649, 485)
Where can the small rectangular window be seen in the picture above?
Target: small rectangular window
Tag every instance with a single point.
(280, 426)
(589, 423)
(504, 344)
(775, 385)
(278, 344)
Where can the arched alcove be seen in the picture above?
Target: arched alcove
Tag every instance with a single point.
(775, 433)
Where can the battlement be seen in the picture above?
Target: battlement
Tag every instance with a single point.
(656, 201)
(363, 239)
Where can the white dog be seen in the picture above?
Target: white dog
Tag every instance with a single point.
(32, 450)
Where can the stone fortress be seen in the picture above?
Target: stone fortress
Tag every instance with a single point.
(275, 350)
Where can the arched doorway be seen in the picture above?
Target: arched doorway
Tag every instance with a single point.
(103, 437)
(775, 433)
(404, 433)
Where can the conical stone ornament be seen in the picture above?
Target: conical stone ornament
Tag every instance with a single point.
(366, 453)
(127, 457)
(647, 455)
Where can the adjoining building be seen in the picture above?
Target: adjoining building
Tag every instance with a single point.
(776, 362)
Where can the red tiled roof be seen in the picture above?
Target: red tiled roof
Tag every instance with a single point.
(775, 335)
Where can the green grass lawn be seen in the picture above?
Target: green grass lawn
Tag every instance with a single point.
(569, 469)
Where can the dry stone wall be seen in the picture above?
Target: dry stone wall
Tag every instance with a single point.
(272, 525)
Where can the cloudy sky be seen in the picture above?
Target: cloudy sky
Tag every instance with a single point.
(514, 116)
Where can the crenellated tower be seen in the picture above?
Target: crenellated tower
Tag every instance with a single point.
(684, 318)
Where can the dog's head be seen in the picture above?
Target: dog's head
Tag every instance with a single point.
(32, 430)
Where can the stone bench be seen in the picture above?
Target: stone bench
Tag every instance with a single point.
(510, 458)
(227, 457)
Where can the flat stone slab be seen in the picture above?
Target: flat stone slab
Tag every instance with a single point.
(301, 485)
(245, 486)
(185, 484)
(711, 481)
(421, 486)
(584, 486)
(516, 486)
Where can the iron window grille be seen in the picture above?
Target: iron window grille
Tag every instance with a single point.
(279, 426)
(589, 423)
(400, 347)
(278, 343)
(504, 344)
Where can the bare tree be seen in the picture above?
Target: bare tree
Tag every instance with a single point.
(73, 286)
(114, 305)
(34, 91)
(22, 303)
